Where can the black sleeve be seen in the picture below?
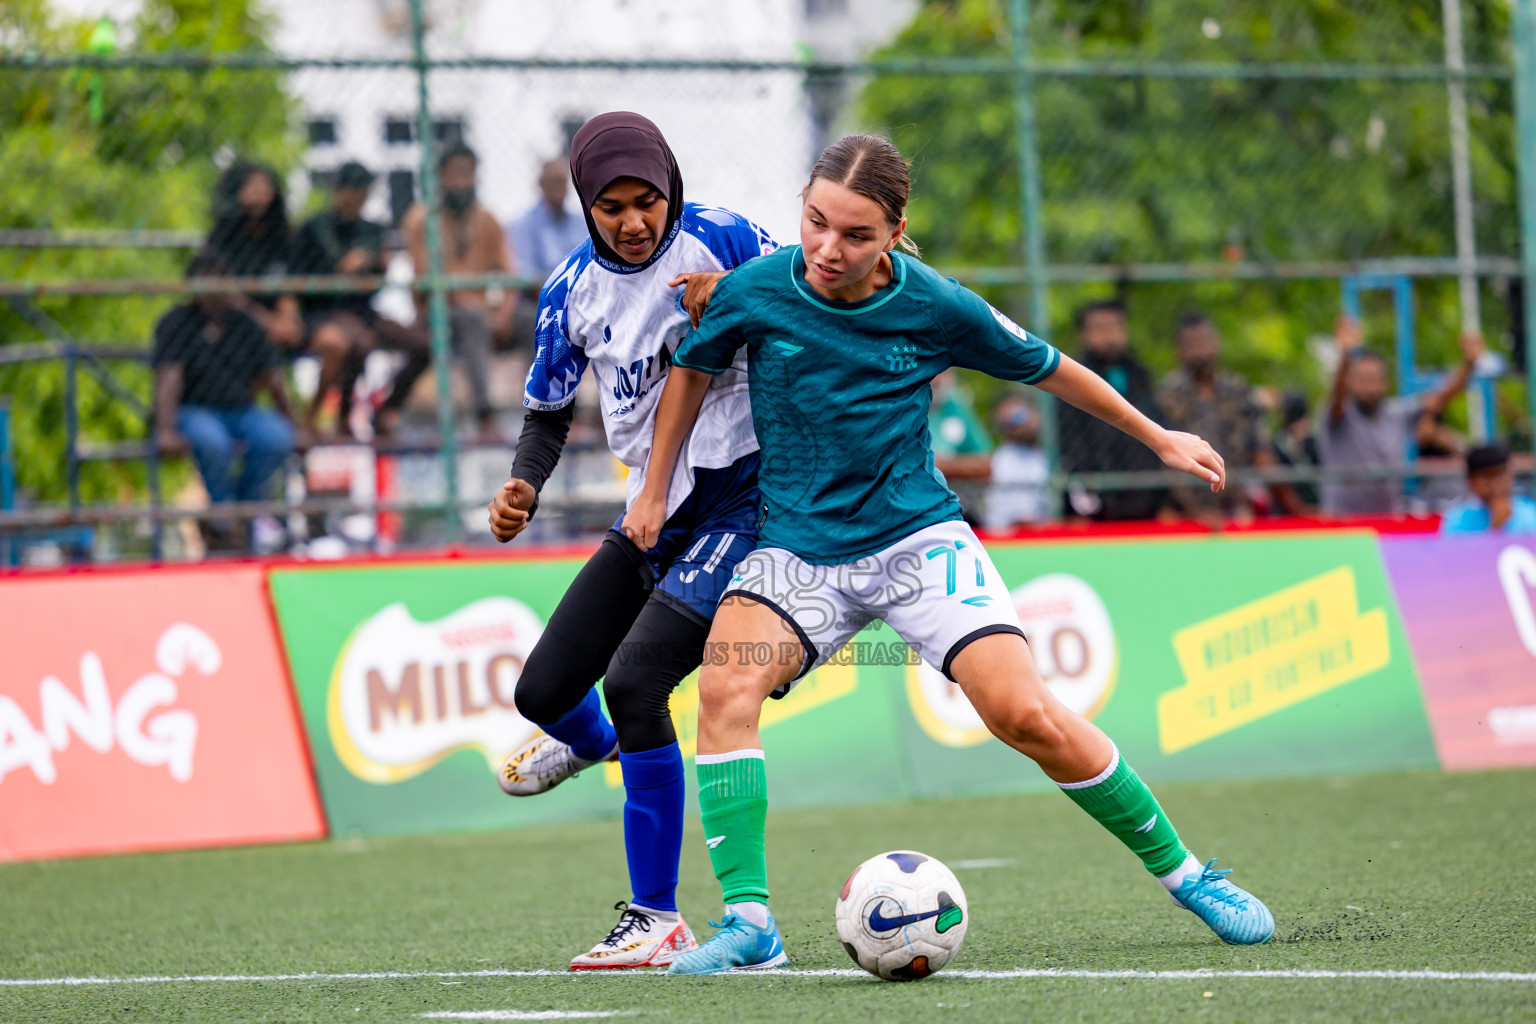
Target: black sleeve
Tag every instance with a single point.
(540, 444)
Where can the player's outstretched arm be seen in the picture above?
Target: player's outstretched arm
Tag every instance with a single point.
(1472, 349)
(1077, 385)
(681, 398)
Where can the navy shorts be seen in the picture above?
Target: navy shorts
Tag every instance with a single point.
(700, 544)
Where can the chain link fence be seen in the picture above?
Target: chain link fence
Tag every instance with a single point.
(246, 299)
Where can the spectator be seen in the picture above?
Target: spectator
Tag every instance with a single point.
(1088, 444)
(1218, 405)
(210, 360)
(960, 443)
(343, 328)
(1491, 505)
(540, 241)
(1364, 429)
(1020, 470)
(472, 244)
(250, 235)
(1296, 446)
(544, 235)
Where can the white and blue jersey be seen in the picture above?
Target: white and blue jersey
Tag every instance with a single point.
(624, 321)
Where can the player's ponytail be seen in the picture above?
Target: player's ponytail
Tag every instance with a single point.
(876, 170)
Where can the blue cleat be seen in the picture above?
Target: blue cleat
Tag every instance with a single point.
(739, 945)
(1235, 915)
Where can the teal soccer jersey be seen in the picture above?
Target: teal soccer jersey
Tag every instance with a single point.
(840, 394)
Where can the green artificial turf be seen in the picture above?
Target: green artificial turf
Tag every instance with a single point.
(1402, 872)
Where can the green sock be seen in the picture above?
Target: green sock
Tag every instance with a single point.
(733, 801)
(1122, 803)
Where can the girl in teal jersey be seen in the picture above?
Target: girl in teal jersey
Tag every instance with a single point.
(843, 336)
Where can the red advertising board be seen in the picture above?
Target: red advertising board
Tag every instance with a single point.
(146, 711)
(1470, 607)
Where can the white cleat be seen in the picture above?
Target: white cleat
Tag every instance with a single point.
(540, 765)
(638, 940)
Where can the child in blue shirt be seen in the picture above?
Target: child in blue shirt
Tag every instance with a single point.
(1491, 505)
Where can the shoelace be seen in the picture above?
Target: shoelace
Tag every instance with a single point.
(631, 921)
(1211, 873)
(735, 920)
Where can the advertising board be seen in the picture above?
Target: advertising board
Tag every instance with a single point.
(147, 711)
(1470, 607)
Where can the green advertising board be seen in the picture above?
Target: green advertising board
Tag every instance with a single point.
(405, 677)
(1203, 659)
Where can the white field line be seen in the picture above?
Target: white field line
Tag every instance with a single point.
(1040, 973)
(983, 863)
(523, 1014)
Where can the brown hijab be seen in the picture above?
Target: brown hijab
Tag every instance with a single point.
(617, 145)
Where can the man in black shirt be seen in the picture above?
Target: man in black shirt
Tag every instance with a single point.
(343, 328)
(210, 361)
(1088, 444)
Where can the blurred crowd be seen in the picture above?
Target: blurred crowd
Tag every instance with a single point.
(1363, 433)
(216, 354)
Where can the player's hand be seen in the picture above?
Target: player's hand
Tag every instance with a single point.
(1472, 347)
(510, 509)
(1189, 454)
(642, 523)
(697, 288)
(1346, 330)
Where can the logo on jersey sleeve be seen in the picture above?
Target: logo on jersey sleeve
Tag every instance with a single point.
(1007, 324)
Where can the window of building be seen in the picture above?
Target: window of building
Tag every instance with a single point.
(399, 131)
(322, 131)
(448, 131)
(570, 124)
(826, 8)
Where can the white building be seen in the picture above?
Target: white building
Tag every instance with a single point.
(743, 140)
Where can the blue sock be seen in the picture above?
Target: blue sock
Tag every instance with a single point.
(653, 824)
(585, 729)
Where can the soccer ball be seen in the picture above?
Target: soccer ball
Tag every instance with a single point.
(901, 915)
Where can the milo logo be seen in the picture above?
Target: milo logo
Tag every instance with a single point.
(405, 694)
(1071, 640)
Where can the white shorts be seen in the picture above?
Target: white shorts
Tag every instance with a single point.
(936, 588)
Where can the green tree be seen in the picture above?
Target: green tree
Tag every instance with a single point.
(1160, 170)
(146, 157)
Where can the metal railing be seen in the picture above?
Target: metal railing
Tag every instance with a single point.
(1034, 273)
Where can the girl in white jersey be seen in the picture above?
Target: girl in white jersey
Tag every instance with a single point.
(845, 337)
(637, 619)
